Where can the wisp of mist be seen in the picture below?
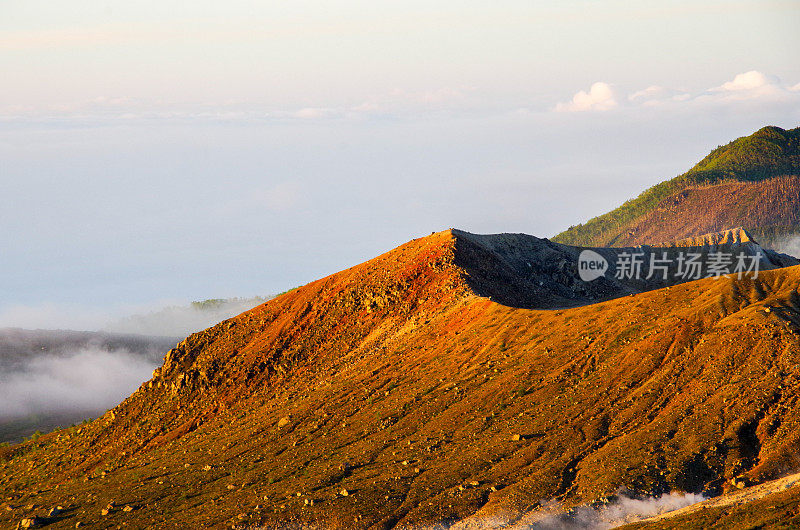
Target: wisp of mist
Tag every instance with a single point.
(789, 245)
(180, 321)
(624, 510)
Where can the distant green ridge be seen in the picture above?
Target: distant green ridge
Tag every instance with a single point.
(769, 152)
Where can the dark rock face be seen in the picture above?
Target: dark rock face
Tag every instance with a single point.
(519, 270)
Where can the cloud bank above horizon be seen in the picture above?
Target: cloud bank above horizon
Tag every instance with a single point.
(444, 102)
(160, 151)
(752, 86)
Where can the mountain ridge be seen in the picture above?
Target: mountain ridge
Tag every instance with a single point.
(760, 171)
(392, 394)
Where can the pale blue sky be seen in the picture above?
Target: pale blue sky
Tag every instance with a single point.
(154, 151)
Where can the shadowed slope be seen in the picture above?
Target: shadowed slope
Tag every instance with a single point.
(393, 382)
(519, 270)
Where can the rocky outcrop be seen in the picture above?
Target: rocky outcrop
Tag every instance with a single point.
(520, 270)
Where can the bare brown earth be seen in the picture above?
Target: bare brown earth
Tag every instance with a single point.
(392, 395)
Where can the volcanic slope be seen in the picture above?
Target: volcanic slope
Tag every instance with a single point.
(392, 395)
(753, 182)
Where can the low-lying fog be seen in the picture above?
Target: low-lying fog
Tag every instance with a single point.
(51, 378)
(86, 379)
(55, 378)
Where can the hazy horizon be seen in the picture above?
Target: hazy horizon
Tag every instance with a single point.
(157, 153)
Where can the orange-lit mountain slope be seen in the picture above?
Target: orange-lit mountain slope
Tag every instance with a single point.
(392, 394)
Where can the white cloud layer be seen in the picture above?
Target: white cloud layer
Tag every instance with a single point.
(311, 113)
(751, 80)
(753, 85)
(654, 94)
(747, 86)
(600, 97)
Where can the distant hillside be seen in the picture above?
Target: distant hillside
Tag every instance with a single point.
(179, 321)
(753, 182)
(398, 394)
